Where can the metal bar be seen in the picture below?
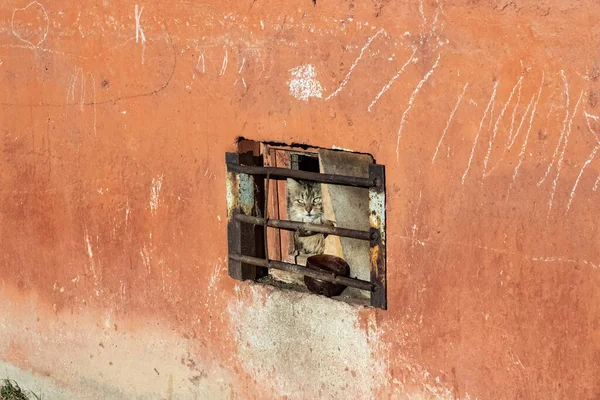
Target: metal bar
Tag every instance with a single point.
(294, 226)
(377, 245)
(242, 238)
(281, 173)
(234, 233)
(298, 269)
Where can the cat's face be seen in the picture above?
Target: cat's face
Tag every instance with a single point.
(304, 201)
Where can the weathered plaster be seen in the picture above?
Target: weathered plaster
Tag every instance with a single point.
(114, 122)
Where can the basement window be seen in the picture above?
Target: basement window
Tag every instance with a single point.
(276, 192)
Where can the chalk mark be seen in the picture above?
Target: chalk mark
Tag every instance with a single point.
(225, 62)
(560, 159)
(94, 102)
(564, 128)
(511, 139)
(411, 101)
(449, 121)
(512, 122)
(514, 138)
(524, 146)
(526, 257)
(389, 84)
(139, 32)
(587, 162)
(492, 97)
(362, 51)
(200, 58)
(111, 100)
(12, 24)
(497, 126)
(584, 166)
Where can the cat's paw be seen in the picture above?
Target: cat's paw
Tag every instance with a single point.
(329, 222)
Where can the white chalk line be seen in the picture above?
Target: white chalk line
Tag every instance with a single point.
(449, 121)
(511, 139)
(564, 128)
(411, 102)
(12, 24)
(560, 159)
(492, 114)
(200, 58)
(497, 126)
(242, 66)
(89, 75)
(90, 253)
(545, 259)
(225, 61)
(362, 51)
(524, 146)
(512, 122)
(422, 12)
(595, 118)
(139, 32)
(389, 84)
(587, 162)
(514, 138)
(565, 260)
(492, 97)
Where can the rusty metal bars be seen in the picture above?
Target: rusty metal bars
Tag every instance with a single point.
(283, 173)
(299, 269)
(241, 192)
(294, 226)
(241, 205)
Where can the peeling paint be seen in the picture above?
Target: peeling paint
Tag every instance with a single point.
(303, 346)
(232, 194)
(246, 193)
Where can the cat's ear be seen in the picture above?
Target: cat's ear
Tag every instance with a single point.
(292, 185)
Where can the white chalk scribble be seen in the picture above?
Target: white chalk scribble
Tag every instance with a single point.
(45, 28)
(304, 83)
(492, 97)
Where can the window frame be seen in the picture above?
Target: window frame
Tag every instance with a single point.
(250, 178)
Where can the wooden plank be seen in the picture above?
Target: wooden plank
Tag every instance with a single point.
(282, 159)
(273, 235)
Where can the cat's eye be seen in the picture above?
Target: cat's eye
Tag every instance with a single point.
(317, 200)
(300, 202)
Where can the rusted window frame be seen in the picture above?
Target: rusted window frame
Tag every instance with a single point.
(247, 223)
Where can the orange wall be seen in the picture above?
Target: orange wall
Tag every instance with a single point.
(113, 131)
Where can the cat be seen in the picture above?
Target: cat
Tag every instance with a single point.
(305, 204)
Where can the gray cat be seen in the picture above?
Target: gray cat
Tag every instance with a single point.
(304, 204)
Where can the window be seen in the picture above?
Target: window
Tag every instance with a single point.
(261, 234)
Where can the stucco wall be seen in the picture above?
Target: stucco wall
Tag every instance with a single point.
(114, 121)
